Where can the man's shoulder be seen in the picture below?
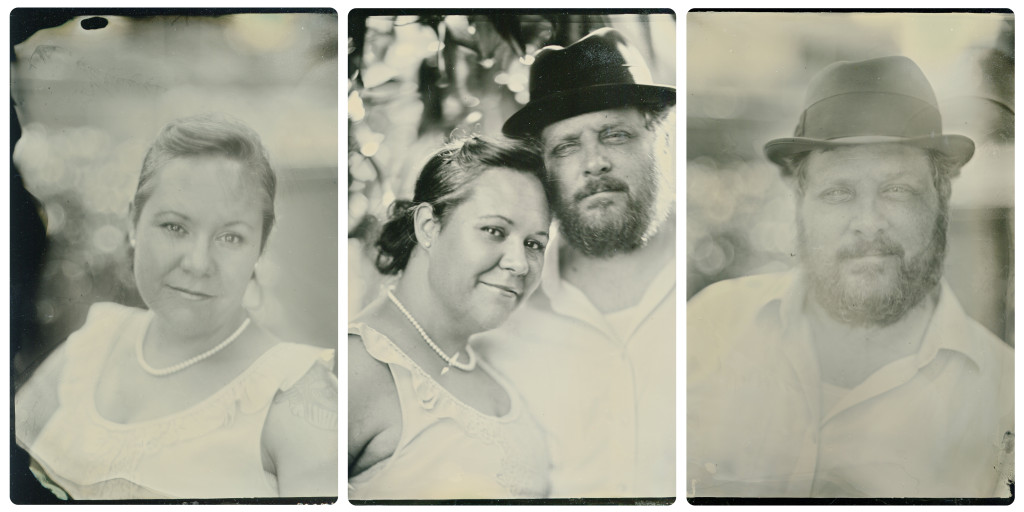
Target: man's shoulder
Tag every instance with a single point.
(749, 291)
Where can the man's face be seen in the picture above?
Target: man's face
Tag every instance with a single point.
(608, 184)
(872, 231)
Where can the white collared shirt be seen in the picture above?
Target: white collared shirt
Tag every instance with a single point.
(937, 423)
(602, 385)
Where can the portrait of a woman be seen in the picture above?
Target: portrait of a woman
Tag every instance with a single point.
(188, 398)
(427, 418)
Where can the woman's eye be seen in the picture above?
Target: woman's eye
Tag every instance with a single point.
(535, 245)
(836, 195)
(232, 238)
(494, 232)
(173, 228)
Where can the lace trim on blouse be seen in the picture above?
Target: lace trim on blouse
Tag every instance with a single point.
(114, 449)
(517, 474)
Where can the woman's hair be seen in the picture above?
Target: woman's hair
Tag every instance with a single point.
(210, 135)
(444, 184)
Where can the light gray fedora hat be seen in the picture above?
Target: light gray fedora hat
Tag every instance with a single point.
(882, 100)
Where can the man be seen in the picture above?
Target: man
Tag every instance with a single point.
(857, 374)
(593, 350)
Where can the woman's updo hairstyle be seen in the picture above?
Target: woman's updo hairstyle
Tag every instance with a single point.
(211, 134)
(444, 183)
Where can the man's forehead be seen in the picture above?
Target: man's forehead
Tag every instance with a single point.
(573, 126)
(868, 158)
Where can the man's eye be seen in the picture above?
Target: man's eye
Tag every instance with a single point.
(899, 191)
(836, 195)
(563, 149)
(616, 136)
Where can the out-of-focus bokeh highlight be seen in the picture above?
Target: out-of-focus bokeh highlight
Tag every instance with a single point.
(90, 102)
(415, 81)
(746, 77)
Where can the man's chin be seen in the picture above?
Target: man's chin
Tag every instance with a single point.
(868, 282)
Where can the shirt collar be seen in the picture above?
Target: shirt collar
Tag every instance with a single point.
(949, 327)
(564, 298)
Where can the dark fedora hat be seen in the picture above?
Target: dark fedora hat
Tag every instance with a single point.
(600, 71)
(883, 100)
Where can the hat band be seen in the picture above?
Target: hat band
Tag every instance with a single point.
(867, 114)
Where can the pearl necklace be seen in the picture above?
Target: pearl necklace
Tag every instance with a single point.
(453, 360)
(181, 366)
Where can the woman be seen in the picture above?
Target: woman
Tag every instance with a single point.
(427, 419)
(188, 399)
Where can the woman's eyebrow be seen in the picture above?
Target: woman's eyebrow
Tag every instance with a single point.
(174, 213)
(497, 216)
(239, 223)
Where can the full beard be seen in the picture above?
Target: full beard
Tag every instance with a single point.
(853, 302)
(605, 234)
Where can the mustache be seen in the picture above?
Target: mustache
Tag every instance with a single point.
(598, 185)
(881, 246)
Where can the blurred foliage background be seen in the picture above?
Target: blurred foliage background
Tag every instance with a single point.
(92, 92)
(414, 81)
(746, 77)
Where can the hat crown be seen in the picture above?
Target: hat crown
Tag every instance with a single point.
(887, 96)
(603, 57)
(601, 71)
(885, 75)
(882, 100)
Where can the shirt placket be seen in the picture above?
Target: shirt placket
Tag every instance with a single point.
(622, 400)
(799, 351)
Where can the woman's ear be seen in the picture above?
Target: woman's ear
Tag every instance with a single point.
(427, 226)
(131, 224)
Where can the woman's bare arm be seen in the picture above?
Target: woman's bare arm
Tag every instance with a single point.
(38, 398)
(301, 435)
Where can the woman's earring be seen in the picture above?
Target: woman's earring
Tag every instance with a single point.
(253, 297)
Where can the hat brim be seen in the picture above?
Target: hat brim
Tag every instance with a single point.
(957, 147)
(538, 114)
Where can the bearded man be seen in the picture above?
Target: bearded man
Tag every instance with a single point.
(593, 350)
(857, 374)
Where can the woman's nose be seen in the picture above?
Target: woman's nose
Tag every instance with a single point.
(197, 258)
(514, 259)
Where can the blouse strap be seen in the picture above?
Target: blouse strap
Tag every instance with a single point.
(278, 370)
(421, 399)
(87, 348)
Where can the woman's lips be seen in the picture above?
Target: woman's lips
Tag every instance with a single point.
(505, 290)
(190, 294)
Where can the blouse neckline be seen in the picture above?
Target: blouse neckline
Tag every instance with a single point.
(137, 324)
(514, 405)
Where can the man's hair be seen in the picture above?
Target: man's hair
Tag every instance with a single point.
(944, 169)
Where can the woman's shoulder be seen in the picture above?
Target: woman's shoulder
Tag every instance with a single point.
(104, 318)
(102, 312)
(301, 434)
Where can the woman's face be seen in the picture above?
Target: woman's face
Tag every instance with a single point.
(196, 242)
(487, 257)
